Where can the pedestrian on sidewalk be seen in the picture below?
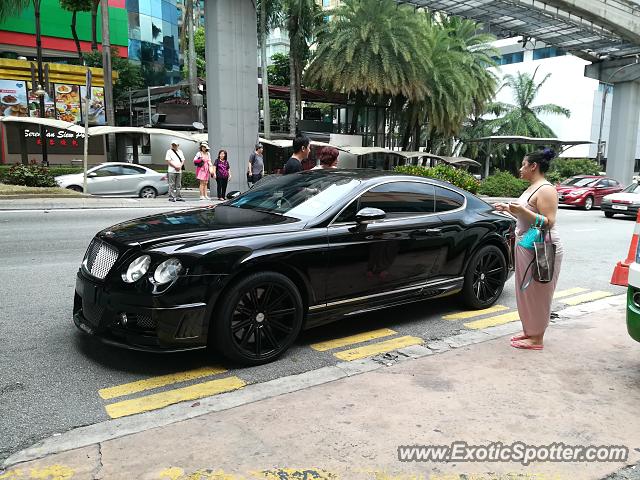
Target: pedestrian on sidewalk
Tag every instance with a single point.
(204, 169)
(255, 169)
(175, 159)
(222, 173)
(539, 202)
(328, 158)
(300, 153)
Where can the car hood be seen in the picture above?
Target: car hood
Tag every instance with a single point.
(623, 197)
(569, 188)
(196, 226)
(68, 178)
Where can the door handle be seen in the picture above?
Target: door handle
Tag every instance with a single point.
(427, 232)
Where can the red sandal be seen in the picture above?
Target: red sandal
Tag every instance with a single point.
(526, 346)
(519, 337)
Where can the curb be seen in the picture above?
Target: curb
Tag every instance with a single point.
(112, 429)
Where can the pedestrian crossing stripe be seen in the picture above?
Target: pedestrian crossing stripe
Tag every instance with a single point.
(475, 313)
(587, 297)
(164, 399)
(159, 381)
(569, 292)
(352, 339)
(378, 348)
(493, 321)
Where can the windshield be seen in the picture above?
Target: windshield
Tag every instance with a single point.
(633, 188)
(580, 181)
(303, 196)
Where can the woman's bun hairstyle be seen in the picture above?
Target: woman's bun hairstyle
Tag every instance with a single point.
(542, 157)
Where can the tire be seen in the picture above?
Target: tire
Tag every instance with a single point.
(148, 192)
(609, 214)
(588, 203)
(266, 302)
(75, 188)
(485, 277)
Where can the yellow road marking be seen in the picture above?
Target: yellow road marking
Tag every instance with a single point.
(587, 297)
(160, 400)
(352, 339)
(160, 381)
(493, 321)
(567, 293)
(377, 348)
(475, 313)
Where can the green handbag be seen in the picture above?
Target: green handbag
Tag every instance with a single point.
(534, 234)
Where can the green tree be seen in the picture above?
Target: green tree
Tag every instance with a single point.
(11, 8)
(522, 117)
(76, 6)
(278, 71)
(302, 18)
(129, 74)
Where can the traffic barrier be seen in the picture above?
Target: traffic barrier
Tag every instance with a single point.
(621, 271)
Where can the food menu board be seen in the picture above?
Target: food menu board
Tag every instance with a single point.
(13, 98)
(34, 104)
(97, 115)
(68, 102)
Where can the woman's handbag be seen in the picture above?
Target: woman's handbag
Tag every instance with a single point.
(543, 263)
(534, 234)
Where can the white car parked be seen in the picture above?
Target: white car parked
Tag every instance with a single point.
(118, 178)
(626, 202)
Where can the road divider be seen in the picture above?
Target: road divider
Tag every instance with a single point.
(378, 348)
(493, 321)
(352, 339)
(587, 297)
(475, 313)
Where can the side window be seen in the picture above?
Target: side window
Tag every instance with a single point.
(109, 171)
(348, 215)
(447, 200)
(129, 170)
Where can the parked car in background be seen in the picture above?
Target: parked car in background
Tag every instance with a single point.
(118, 178)
(293, 252)
(586, 191)
(626, 202)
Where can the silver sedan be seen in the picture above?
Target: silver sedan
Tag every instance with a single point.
(121, 179)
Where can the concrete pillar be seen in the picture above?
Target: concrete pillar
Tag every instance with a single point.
(623, 136)
(232, 88)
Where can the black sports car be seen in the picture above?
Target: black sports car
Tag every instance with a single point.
(247, 275)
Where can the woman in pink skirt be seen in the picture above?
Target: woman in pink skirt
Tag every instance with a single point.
(202, 161)
(534, 298)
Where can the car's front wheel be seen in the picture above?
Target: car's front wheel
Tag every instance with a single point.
(148, 192)
(608, 214)
(75, 188)
(484, 278)
(588, 203)
(258, 319)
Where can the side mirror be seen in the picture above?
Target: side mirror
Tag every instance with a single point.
(92, 175)
(233, 194)
(369, 215)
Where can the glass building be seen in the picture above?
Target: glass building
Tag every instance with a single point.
(153, 39)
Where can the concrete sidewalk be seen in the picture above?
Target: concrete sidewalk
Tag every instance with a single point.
(347, 421)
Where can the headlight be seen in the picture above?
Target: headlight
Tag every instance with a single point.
(167, 271)
(137, 269)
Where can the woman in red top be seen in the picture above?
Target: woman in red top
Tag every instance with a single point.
(222, 173)
(202, 161)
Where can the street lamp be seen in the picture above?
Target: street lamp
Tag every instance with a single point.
(604, 105)
(40, 91)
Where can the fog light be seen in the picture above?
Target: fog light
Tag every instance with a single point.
(123, 319)
(636, 299)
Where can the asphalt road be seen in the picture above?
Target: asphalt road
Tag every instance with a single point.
(50, 373)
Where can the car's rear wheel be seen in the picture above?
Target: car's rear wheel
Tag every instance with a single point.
(484, 278)
(608, 214)
(75, 188)
(148, 192)
(259, 318)
(588, 203)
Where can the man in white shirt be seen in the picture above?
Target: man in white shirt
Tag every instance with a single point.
(175, 159)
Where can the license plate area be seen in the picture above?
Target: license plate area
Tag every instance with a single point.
(619, 207)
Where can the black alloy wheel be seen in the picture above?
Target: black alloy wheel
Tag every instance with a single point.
(260, 317)
(485, 277)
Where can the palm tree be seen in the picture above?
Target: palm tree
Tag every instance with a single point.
(302, 16)
(76, 6)
(11, 8)
(270, 16)
(522, 117)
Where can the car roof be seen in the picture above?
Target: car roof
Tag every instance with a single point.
(118, 163)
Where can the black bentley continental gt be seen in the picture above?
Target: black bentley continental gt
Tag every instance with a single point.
(244, 277)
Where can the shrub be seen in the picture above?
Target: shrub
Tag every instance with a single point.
(29, 176)
(502, 184)
(455, 176)
(562, 168)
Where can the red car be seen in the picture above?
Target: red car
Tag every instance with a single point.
(586, 191)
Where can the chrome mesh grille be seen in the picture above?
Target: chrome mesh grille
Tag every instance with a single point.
(146, 322)
(100, 258)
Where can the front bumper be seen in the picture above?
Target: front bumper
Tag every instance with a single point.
(575, 201)
(101, 312)
(629, 210)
